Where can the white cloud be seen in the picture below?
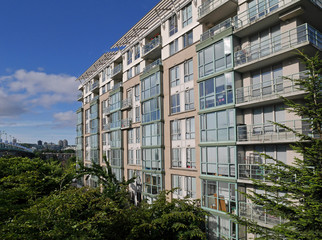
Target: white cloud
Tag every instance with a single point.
(65, 119)
(11, 105)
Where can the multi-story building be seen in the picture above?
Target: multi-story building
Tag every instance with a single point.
(186, 101)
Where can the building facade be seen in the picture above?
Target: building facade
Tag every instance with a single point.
(187, 98)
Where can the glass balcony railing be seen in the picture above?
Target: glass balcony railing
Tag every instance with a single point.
(126, 123)
(268, 89)
(94, 86)
(216, 29)
(117, 85)
(117, 70)
(155, 42)
(209, 6)
(259, 11)
(258, 214)
(152, 65)
(268, 132)
(127, 103)
(286, 40)
(112, 125)
(251, 171)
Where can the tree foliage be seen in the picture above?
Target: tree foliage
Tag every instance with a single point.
(301, 206)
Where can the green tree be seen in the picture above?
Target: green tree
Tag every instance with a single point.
(301, 206)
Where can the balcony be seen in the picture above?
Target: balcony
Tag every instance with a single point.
(215, 10)
(257, 213)
(278, 48)
(80, 97)
(106, 110)
(269, 90)
(94, 87)
(126, 123)
(152, 50)
(117, 71)
(113, 125)
(116, 86)
(126, 103)
(106, 127)
(216, 29)
(152, 65)
(268, 132)
(251, 171)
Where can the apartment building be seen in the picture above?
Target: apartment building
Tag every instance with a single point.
(185, 97)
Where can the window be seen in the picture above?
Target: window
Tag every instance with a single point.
(130, 157)
(151, 110)
(189, 100)
(137, 135)
(187, 39)
(151, 134)
(129, 56)
(175, 130)
(220, 196)
(190, 128)
(130, 136)
(173, 25)
(115, 101)
(150, 86)
(267, 80)
(219, 161)
(129, 74)
(136, 51)
(174, 76)
(152, 183)
(191, 158)
(108, 85)
(186, 15)
(259, 8)
(218, 126)
(137, 114)
(215, 58)
(173, 47)
(115, 139)
(176, 157)
(115, 120)
(138, 156)
(175, 103)
(186, 186)
(137, 92)
(177, 183)
(188, 70)
(104, 75)
(216, 91)
(108, 72)
(116, 158)
(151, 158)
(223, 228)
(137, 69)
(190, 186)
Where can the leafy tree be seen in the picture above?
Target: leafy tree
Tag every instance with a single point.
(301, 206)
(22, 180)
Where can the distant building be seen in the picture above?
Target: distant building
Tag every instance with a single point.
(65, 143)
(60, 143)
(39, 143)
(14, 141)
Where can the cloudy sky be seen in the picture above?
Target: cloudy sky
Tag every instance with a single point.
(44, 46)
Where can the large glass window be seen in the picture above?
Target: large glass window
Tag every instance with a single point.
(215, 58)
(136, 51)
(115, 138)
(191, 158)
(151, 134)
(187, 39)
(129, 56)
(116, 157)
(115, 101)
(94, 141)
(190, 128)
(151, 110)
(174, 47)
(224, 228)
(189, 99)
(186, 15)
(152, 183)
(216, 91)
(130, 136)
(137, 135)
(186, 186)
(175, 103)
(130, 157)
(220, 196)
(115, 119)
(176, 157)
(219, 161)
(151, 158)
(218, 126)
(188, 70)
(174, 76)
(175, 129)
(150, 86)
(173, 25)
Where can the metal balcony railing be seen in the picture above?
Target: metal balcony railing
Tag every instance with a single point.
(268, 132)
(283, 41)
(275, 87)
(259, 11)
(117, 70)
(216, 29)
(126, 123)
(152, 65)
(154, 43)
(258, 214)
(251, 171)
(209, 6)
(127, 103)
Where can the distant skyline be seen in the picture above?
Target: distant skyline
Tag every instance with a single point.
(45, 45)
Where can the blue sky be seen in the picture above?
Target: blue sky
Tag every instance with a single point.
(44, 46)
